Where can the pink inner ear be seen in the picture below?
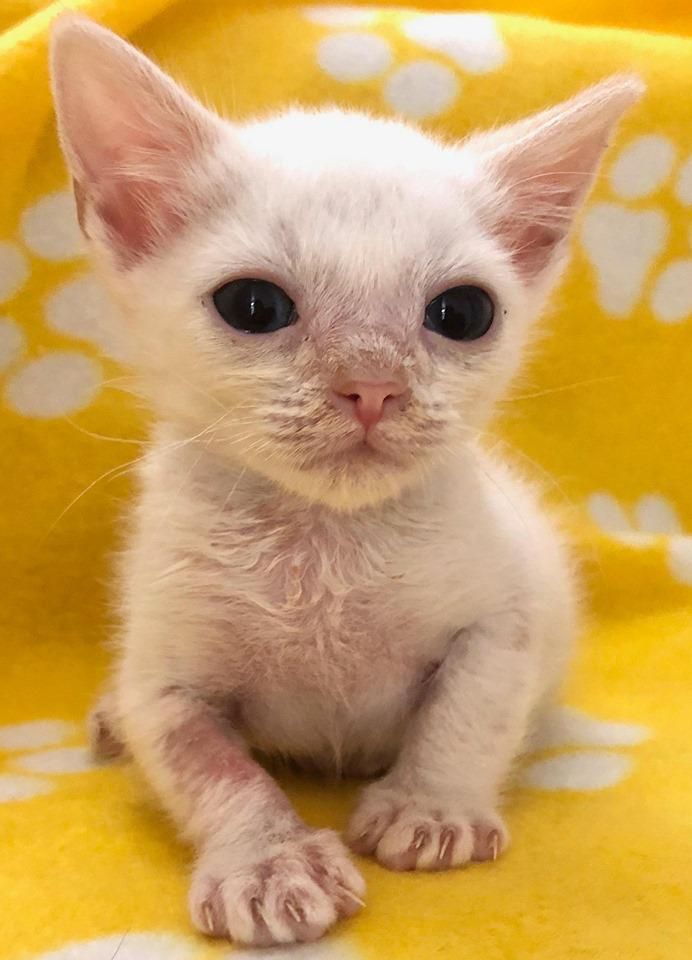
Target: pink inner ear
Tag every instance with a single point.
(142, 192)
(542, 168)
(138, 216)
(532, 246)
(141, 188)
(133, 138)
(80, 200)
(539, 221)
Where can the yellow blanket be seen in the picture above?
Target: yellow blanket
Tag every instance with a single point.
(602, 817)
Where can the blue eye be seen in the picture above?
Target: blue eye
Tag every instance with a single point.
(461, 313)
(254, 306)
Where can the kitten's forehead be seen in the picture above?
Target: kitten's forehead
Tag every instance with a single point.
(347, 194)
(334, 140)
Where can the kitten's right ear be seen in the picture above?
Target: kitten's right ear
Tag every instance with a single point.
(542, 168)
(135, 142)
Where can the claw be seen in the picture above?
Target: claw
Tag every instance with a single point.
(294, 911)
(420, 838)
(369, 827)
(495, 844)
(256, 910)
(447, 838)
(354, 896)
(208, 915)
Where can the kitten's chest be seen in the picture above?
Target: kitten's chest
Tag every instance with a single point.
(315, 603)
(335, 651)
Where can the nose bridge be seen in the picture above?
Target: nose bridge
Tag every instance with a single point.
(367, 364)
(366, 356)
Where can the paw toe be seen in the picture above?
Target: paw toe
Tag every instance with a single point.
(403, 844)
(294, 895)
(490, 840)
(212, 916)
(364, 839)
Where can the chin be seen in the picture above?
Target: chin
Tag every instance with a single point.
(348, 492)
(363, 478)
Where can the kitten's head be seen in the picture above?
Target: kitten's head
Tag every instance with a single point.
(333, 300)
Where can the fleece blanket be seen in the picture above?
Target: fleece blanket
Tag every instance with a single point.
(601, 865)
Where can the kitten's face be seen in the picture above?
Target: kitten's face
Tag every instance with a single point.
(362, 225)
(360, 252)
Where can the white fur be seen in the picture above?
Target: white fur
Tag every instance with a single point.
(406, 606)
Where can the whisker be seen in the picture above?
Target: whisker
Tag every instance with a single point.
(561, 389)
(101, 436)
(117, 470)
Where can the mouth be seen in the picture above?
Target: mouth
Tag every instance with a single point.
(389, 447)
(348, 467)
(361, 450)
(368, 451)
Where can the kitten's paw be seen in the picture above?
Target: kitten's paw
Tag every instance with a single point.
(406, 831)
(294, 891)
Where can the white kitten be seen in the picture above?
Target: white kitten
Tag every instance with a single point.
(323, 562)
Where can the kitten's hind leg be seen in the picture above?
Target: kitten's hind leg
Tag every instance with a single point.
(104, 740)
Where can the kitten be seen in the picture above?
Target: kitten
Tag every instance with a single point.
(323, 308)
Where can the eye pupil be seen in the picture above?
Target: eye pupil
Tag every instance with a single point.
(461, 313)
(254, 306)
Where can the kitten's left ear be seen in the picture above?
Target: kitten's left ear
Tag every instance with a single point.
(134, 140)
(542, 168)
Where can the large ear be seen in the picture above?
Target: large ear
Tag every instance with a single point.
(135, 142)
(542, 168)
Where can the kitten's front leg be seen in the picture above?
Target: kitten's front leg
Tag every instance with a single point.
(262, 876)
(438, 806)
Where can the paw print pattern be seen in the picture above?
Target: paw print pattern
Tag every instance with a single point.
(581, 769)
(30, 768)
(625, 241)
(168, 946)
(127, 946)
(421, 88)
(649, 519)
(59, 382)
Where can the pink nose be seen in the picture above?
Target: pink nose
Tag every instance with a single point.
(368, 400)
